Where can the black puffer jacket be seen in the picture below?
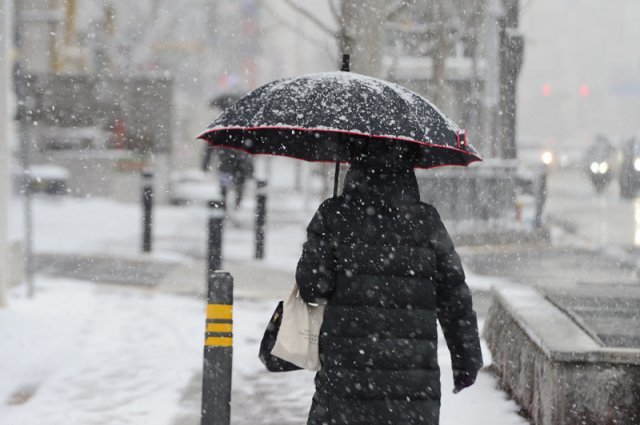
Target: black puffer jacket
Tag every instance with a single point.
(388, 268)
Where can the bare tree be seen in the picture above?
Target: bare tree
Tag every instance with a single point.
(442, 44)
(357, 29)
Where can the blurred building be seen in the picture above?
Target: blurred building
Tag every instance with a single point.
(581, 71)
(81, 105)
(464, 56)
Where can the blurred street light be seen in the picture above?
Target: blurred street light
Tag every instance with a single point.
(584, 90)
(547, 157)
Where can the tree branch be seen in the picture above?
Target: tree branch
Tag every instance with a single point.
(418, 29)
(334, 11)
(294, 29)
(394, 9)
(304, 12)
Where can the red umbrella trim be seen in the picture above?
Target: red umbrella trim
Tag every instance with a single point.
(462, 136)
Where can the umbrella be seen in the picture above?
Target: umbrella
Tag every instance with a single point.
(316, 117)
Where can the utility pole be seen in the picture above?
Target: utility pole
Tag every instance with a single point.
(25, 66)
(511, 53)
(439, 57)
(5, 87)
(492, 85)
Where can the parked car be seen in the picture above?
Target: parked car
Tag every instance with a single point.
(66, 138)
(192, 186)
(43, 178)
(630, 167)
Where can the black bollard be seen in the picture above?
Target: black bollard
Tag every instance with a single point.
(224, 190)
(218, 351)
(216, 218)
(541, 197)
(147, 206)
(261, 216)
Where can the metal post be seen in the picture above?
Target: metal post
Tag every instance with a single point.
(261, 216)
(26, 134)
(25, 110)
(147, 207)
(224, 191)
(541, 197)
(214, 245)
(494, 11)
(5, 87)
(218, 351)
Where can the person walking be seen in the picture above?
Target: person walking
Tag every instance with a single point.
(234, 169)
(388, 269)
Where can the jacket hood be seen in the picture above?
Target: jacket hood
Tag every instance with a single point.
(381, 185)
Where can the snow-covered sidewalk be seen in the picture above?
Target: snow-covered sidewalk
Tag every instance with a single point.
(81, 353)
(85, 353)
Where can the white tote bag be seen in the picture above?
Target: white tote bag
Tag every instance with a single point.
(299, 333)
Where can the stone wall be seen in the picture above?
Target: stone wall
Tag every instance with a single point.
(555, 384)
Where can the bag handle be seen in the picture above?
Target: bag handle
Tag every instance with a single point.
(295, 293)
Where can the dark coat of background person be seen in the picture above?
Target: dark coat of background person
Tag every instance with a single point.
(235, 164)
(389, 270)
(230, 161)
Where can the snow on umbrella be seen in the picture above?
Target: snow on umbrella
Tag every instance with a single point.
(314, 117)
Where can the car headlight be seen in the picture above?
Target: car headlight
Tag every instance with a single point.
(594, 167)
(636, 164)
(547, 157)
(603, 167)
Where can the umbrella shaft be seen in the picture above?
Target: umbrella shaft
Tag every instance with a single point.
(335, 179)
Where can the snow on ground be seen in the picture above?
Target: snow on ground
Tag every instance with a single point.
(82, 353)
(97, 226)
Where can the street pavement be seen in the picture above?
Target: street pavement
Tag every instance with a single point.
(590, 267)
(544, 264)
(610, 317)
(251, 278)
(597, 220)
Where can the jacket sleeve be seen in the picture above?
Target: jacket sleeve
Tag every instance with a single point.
(454, 304)
(315, 274)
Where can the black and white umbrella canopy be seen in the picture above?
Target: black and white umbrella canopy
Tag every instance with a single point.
(315, 117)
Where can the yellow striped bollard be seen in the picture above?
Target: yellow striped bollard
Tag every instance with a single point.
(218, 351)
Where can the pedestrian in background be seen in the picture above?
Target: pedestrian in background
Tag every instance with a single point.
(234, 169)
(234, 166)
(388, 269)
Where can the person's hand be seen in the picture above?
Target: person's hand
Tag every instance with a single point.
(462, 380)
